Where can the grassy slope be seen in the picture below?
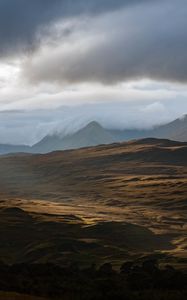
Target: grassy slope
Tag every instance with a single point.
(143, 182)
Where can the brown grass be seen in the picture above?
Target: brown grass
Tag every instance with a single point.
(143, 183)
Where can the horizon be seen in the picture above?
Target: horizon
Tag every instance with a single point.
(30, 126)
(65, 132)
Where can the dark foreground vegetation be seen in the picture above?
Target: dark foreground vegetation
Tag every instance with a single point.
(132, 281)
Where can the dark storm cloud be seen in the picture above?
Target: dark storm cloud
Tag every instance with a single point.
(21, 20)
(143, 41)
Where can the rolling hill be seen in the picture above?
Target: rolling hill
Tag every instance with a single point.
(66, 203)
(7, 148)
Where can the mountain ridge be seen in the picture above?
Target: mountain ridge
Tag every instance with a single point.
(94, 134)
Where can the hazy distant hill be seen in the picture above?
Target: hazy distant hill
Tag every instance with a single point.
(91, 135)
(176, 130)
(5, 148)
(94, 134)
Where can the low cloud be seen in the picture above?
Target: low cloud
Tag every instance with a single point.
(66, 120)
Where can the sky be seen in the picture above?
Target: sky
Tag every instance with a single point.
(64, 63)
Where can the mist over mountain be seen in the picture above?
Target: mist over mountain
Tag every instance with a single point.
(94, 134)
(66, 120)
(175, 130)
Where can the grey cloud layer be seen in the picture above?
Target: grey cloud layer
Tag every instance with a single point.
(69, 45)
(21, 20)
(143, 41)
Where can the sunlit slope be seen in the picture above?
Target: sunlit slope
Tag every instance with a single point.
(138, 189)
(149, 169)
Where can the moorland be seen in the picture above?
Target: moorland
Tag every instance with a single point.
(103, 205)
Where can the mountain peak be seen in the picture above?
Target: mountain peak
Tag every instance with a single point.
(93, 125)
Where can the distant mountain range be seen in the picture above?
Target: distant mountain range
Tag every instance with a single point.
(94, 134)
(176, 130)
